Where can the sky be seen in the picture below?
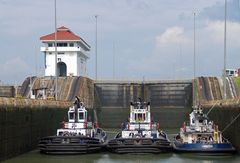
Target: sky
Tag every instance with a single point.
(137, 39)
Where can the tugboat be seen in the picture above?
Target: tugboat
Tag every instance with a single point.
(77, 136)
(201, 136)
(140, 134)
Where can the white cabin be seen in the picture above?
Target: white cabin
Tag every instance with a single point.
(140, 116)
(140, 123)
(77, 123)
(232, 72)
(200, 129)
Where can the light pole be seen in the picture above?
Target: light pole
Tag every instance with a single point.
(96, 75)
(194, 62)
(113, 60)
(55, 44)
(225, 54)
(194, 50)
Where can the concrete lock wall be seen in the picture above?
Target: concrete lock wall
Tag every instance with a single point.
(168, 99)
(22, 125)
(7, 91)
(223, 116)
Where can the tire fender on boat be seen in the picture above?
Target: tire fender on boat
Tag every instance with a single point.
(137, 142)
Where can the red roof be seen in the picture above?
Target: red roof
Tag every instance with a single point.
(63, 33)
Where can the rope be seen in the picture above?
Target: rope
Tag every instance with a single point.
(231, 123)
(111, 132)
(211, 108)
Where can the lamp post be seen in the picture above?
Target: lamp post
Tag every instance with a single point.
(225, 54)
(96, 75)
(55, 44)
(194, 63)
(113, 60)
(194, 50)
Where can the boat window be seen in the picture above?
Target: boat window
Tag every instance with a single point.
(71, 115)
(81, 115)
(144, 117)
(139, 117)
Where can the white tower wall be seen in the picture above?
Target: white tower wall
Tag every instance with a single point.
(49, 67)
(81, 63)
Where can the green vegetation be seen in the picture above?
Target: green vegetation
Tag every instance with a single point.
(237, 80)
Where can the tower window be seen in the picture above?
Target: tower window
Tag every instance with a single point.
(62, 44)
(50, 44)
(81, 115)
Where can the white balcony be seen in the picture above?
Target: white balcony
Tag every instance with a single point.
(61, 49)
(65, 49)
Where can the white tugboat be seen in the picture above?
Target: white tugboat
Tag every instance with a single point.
(202, 137)
(76, 136)
(140, 134)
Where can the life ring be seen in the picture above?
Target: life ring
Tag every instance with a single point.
(66, 133)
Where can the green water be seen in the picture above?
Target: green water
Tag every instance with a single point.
(106, 157)
(36, 157)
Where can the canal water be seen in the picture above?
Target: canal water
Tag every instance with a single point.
(106, 157)
(36, 157)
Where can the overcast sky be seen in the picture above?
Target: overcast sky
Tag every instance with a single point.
(152, 38)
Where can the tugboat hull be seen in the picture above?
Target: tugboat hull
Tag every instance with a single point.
(139, 145)
(201, 136)
(203, 148)
(69, 145)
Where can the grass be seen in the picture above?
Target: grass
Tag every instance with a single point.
(237, 80)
